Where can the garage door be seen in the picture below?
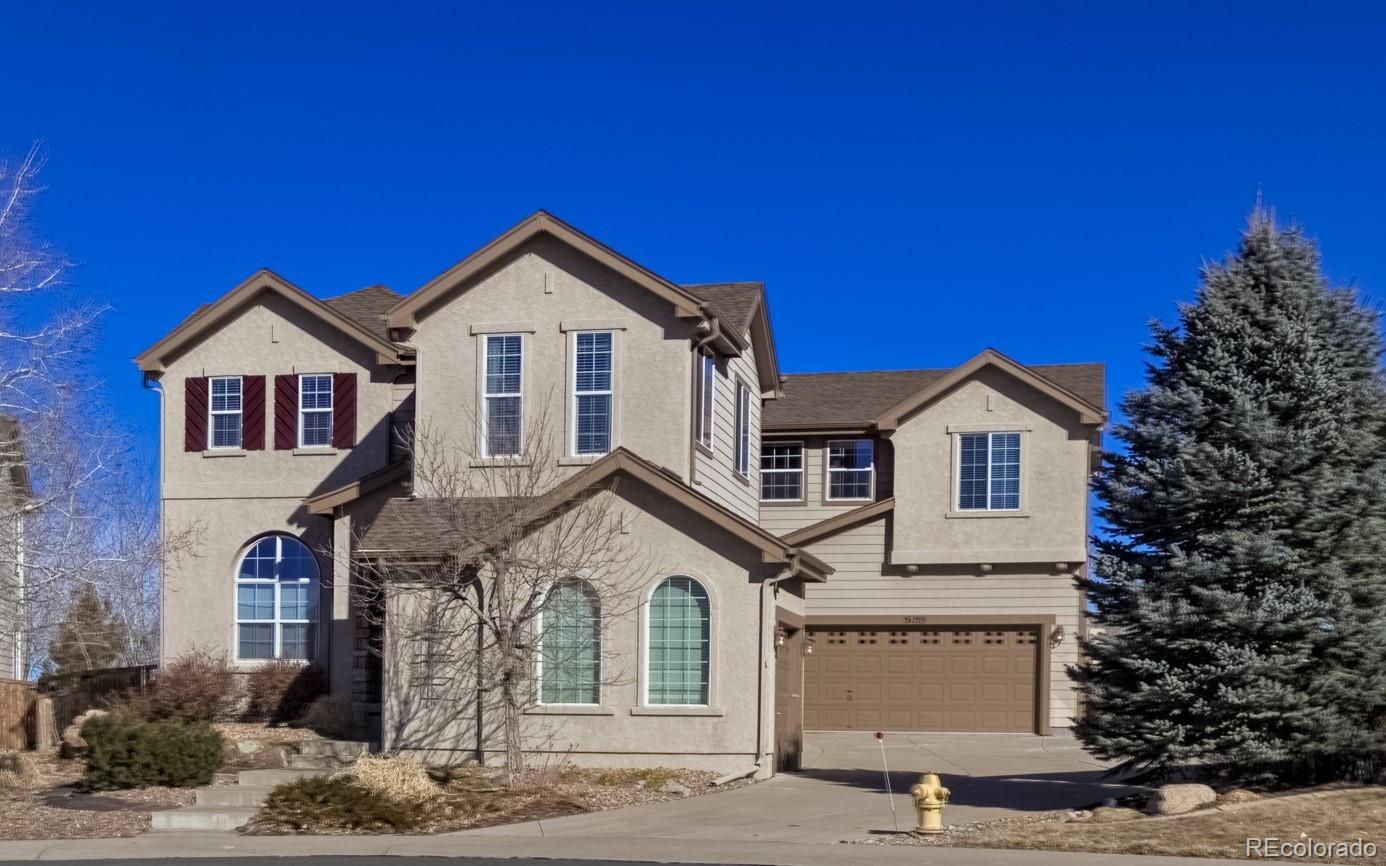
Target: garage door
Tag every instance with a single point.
(924, 679)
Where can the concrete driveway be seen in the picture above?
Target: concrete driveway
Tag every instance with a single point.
(841, 793)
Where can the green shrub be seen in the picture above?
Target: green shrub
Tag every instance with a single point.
(281, 691)
(127, 753)
(322, 805)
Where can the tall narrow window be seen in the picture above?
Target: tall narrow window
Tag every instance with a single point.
(679, 654)
(989, 472)
(592, 393)
(276, 600)
(501, 414)
(782, 470)
(314, 411)
(850, 469)
(743, 429)
(225, 403)
(570, 645)
(707, 397)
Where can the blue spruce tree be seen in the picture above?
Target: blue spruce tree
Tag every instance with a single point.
(1241, 583)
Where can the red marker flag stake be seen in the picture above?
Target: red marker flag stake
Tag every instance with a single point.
(885, 769)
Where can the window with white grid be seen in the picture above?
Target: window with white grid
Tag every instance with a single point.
(678, 659)
(989, 472)
(707, 396)
(276, 600)
(743, 429)
(502, 396)
(782, 471)
(851, 466)
(224, 398)
(314, 410)
(592, 392)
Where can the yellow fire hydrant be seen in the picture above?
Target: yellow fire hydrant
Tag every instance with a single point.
(929, 799)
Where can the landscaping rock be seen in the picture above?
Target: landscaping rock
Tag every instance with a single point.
(73, 745)
(1178, 799)
(248, 747)
(1238, 795)
(1113, 814)
(675, 788)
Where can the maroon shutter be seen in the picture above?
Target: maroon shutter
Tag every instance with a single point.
(343, 410)
(285, 413)
(253, 413)
(195, 413)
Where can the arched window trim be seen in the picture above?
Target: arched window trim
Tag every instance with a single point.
(539, 655)
(278, 621)
(646, 647)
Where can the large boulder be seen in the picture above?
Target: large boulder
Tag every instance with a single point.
(73, 745)
(1178, 799)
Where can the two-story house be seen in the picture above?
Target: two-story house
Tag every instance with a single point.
(836, 551)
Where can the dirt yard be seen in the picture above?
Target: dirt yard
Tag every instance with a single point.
(51, 805)
(1220, 831)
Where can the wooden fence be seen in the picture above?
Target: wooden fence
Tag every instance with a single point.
(75, 693)
(16, 714)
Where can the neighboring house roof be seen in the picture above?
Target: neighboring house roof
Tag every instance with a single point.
(862, 400)
(367, 307)
(210, 316)
(325, 502)
(432, 526)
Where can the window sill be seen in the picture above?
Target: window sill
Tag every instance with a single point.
(316, 451)
(775, 503)
(848, 501)
(224, 452)
(580, 460)
(569, 710)
(963, 515)
(742, 477)
(703, 712)
(705, 450)
(494, 462)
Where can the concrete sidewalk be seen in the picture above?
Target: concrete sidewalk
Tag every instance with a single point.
(704, 850)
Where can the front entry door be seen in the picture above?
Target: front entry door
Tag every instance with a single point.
(789, 700)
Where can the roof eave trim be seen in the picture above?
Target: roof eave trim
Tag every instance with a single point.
(326, 502)
(1087, 412)
(405, 313)
(839, 522)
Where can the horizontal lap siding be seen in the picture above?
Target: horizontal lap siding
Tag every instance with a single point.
(716, 476)
(858, 588)
(782, 519)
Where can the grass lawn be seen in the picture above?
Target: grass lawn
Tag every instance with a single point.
(1329, 816)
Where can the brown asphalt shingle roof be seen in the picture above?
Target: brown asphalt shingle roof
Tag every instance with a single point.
(432, 525)
(735, 302)
(832, 400)
(367, 307)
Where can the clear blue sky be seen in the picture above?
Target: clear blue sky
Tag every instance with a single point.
(913, 182)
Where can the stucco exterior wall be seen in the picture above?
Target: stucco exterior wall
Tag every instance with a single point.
(1051, 524)
(230, 498)
(863, 585)
(622, 731)
(546, 292)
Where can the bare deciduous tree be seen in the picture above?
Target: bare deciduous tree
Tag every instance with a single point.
(74, 509)
(516, 569)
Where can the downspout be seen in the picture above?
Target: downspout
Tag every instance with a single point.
(714, 330)
(152, 384)
(791, 571)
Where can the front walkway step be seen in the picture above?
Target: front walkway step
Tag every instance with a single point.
(270, 778)
(231, 795)
(221, 818)
(335, 748)
(320, 762)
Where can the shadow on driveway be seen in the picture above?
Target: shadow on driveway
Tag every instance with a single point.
(1020, 792)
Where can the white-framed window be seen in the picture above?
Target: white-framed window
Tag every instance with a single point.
(678, 646)
(500, 435)
(743, 429)
(707, 399)
(314, 410)
(276, 600)
(989, 472)
(781, 471)
(851, 468)
(225, 410)
(592, 392)
(570, 645)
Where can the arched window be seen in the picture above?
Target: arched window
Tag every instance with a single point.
(679, 649)
(276, 600)
(570, 643)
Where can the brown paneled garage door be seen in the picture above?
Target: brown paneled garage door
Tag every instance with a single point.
(921, 679)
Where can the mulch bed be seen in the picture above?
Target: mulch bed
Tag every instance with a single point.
(53, 807)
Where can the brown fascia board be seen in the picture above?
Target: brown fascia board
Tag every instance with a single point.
(863, 428)
(835, 524)
(326, 502)
(1087, 412)
(767, 357)
(151, 360)
(405, 313)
